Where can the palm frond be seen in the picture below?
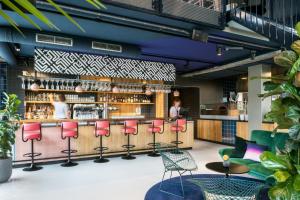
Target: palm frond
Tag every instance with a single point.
(20, 12)
(10, 21)
(37, 13)
(59, 9)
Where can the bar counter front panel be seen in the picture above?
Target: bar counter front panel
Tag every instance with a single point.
(51, 144)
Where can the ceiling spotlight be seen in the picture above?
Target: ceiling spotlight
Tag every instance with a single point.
(17, 47)
(176, 93)
(253, 54)
(219, 51)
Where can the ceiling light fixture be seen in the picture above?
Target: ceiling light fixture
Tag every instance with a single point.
(17, 47)
(219, 51)
(148, 91)
(176, 93)
(253, 54)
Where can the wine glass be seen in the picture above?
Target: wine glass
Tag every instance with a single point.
(23, 83)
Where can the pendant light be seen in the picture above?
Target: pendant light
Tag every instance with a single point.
(176, 93)
(35, 86)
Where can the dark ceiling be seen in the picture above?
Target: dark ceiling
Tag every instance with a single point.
(187, 55)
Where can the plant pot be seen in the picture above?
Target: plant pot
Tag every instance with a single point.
(5, 169)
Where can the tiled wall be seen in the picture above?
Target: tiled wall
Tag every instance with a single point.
(228, 131)
(3, 81)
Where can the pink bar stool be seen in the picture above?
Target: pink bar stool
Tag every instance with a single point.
(130, 128)
(180, 125)
(157, 126)
(32, 131)
(69, 130)
(102, 128)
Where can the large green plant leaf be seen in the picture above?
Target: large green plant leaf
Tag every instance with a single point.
(273, 162)
(280, 192)
(294, 113)
(296, 46)
(297, 27)
(281, 176)
(291, 89)
(20, 12)
(297, 183)
(65, 14)
(270, 85)
(38, 14)
(294, 132)
(10, 21)
(286, 58)
(294, 69)
(96, 3)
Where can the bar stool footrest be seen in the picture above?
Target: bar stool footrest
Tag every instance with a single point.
(153, 144)
(126, 146)
(32, 154)
(101, 149)
(67, 151)
(177, 142)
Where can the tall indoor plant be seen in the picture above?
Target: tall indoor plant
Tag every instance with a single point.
(285, 112)
(8, 125)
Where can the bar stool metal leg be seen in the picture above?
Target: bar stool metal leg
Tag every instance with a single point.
(69, 162)
(153, 144)
(128, 147)
(33, 166)
(101, 149)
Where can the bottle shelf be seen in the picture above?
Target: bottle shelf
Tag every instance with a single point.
(83, 92)
(116, 103)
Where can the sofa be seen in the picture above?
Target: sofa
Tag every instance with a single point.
(265, 138)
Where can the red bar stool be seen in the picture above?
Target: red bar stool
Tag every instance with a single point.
(32, 131)
(179, 126)
(157, 126)
(102, 128)
(130, 128)
(69, 130)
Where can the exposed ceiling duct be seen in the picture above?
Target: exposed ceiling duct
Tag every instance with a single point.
(64, 42)
(6, 54)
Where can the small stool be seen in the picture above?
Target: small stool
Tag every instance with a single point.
(130, 128)
(69, 130)
(179, 126)
(102, 128)
(32, 131)
(154, 128)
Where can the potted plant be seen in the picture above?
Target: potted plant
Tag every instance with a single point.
(285, 112)
(8, 125)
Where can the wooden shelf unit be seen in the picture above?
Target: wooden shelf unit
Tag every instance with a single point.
(83, 92)
(48, 102)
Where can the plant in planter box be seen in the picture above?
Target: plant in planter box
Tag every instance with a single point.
(285, 112)
(8, 125)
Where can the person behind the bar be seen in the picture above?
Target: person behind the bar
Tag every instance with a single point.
(175, 109)
(61, 109)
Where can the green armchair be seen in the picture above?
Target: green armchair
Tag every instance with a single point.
(262, 138)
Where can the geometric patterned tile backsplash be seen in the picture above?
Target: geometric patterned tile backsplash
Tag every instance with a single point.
(3, 81)
(228, 131)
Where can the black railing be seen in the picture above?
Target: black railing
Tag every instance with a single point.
(273, 18)
(203, 11)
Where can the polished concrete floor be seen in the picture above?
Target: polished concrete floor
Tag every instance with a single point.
(115, 180)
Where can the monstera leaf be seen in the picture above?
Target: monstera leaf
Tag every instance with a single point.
(296, 46)
(286, 58)
(297, 27)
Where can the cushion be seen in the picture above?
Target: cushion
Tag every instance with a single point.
(264, 138)
(259, 170)
(242, 161)
(240, 146)
(254, 151)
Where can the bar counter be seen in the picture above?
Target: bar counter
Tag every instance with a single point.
(51, 144)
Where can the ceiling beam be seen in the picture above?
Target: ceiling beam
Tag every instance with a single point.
(233, 65)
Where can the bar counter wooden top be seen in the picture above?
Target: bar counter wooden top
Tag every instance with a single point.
(51, 144)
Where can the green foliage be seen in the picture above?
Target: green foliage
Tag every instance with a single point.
(285, 112)
(8, 124)
(38, 14)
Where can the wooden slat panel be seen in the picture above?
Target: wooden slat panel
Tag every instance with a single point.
(210, 130)
(159, 103)
(242, 130)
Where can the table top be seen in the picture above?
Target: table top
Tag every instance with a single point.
(232, 169)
